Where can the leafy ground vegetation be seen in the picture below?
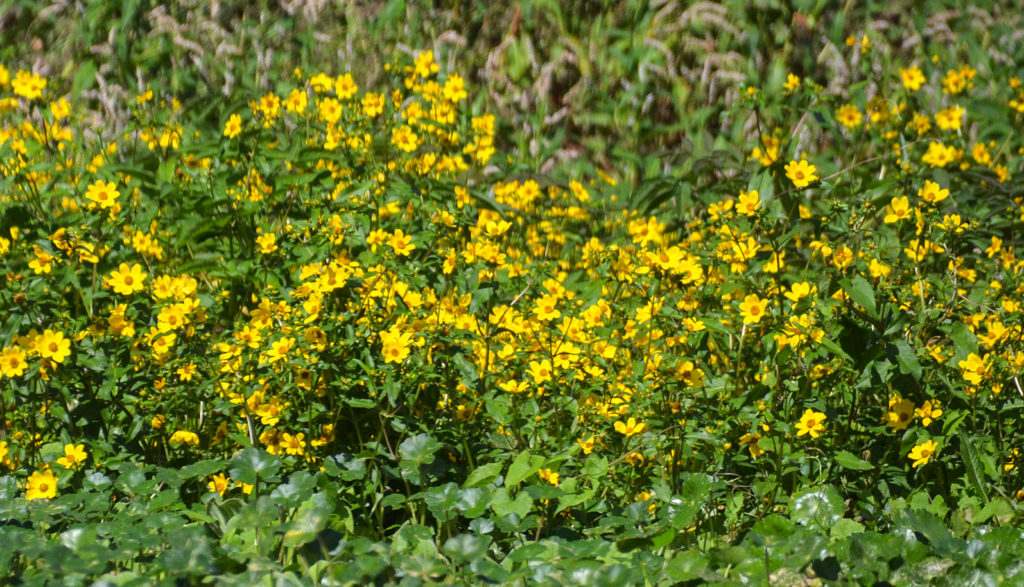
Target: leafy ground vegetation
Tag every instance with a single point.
(598, 294)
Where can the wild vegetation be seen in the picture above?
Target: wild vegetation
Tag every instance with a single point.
(598, 293)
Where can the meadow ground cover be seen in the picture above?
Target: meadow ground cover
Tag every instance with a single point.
(345, 329)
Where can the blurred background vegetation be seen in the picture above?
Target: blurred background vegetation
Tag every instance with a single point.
(638, 89)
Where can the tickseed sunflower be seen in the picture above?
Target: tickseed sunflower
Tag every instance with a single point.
(801, 173)
(812, 423)
(126, 280)
(41, 485)
(923, 453)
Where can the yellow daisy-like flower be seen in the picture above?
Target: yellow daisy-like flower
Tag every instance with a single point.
(923, 453)
(630, 427)
(812, 423)
(801, 173)
(103, 194)
(12, 361)
(753, 309)
(219, 483)
(74, 456)
(28, 85)
(126, 280)
(401, 243)
(53, 345)
(41, 485)
(912, 78)
(932, 192)
(233, 127)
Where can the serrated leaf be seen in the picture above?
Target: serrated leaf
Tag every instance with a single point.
(973, 466)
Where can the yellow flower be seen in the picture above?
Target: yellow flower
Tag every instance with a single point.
(404, 138)
(629, 427)
(454, 88)
(549, 476)
(396, 344)
(912, 78)
(753, 309)
(939, 155)
(812, 423)
(53, 345)
(103, 194)
(12, 361)
(792, 82)
(587, 445)
(28, 85)
(801, 173)
(750, 440)
(540, 371)
(219, 484)
(185, 437)
(547, 308)
(898, 209)
(279, 349)
(932, 193)
(950, 118)
(401, 243)
(345, 87)
(922, 453)
(928, 411)
(233, 127)
(74, 456)
(126, 280)
(900, 413)
(293, 445)
(41, 485)
(974, 368)
(849, 116)
(749, 203)
(267, 242)
(799, 290)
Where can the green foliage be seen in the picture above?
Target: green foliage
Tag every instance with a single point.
(282, 304)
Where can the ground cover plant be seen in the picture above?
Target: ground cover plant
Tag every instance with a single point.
(363, 325)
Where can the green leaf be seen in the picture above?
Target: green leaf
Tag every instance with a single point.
(467, 547)
(253, 463)
(817, 508)
(973, 466)
(522, 467)
(862, 294)
(441, 501)
(907, 359)
(850, 461)
(419, 449)
(503, 504)
(483, 475)
(845, 527)
(201, 468)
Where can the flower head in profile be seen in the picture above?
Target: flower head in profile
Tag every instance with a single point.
(801, 173)
(185, 437)
(630, 427)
